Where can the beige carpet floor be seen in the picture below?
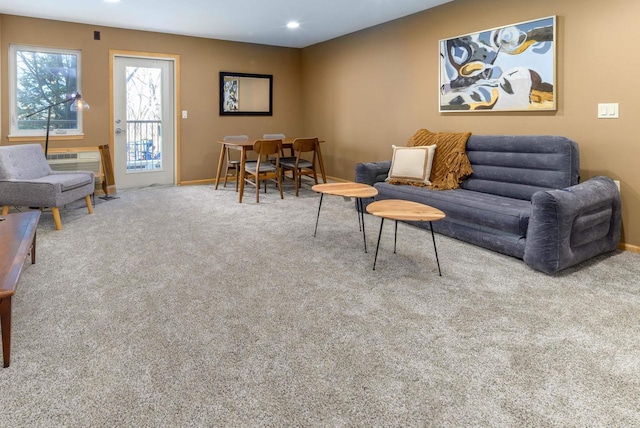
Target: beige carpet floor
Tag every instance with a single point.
(177, 306)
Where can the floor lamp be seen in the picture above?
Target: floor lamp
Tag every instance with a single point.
(78, 104)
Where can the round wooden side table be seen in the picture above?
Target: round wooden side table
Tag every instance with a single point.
(398, 209)
(347, 190)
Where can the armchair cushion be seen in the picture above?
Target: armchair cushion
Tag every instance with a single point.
(68, 181)
(23, 162)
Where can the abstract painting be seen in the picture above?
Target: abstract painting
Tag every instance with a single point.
(510, 68)
(231, 96)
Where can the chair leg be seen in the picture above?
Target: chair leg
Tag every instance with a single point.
(56, 217)
(5, 209)
(89, 205)
(237, 178)
(258, 189)
(279, 173)
(296, 180)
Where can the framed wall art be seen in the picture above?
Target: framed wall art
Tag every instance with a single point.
(510, 68)
(230, 95)
(245, 94)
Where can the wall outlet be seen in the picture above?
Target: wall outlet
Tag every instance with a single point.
(184, 114)
(617, 184)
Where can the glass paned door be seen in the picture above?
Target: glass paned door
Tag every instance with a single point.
(144, 122)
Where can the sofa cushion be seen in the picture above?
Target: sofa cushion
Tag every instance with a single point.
(500, 213)
(67, 181)
(411, 165)
(519, 166)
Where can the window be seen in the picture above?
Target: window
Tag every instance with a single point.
(38, 78)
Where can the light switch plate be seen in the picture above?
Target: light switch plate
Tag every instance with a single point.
(608, 111)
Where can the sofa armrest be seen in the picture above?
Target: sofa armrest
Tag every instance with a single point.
(568, 226)
(371, 173)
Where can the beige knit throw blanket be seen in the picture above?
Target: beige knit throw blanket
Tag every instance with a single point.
(450, 162)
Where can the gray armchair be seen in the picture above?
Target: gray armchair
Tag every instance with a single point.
(27, 180)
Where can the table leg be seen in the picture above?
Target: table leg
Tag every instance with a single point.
(243, 160)
(222, 154)
(318, 216)
(324, 176)
(226, 174)
(33, 249)
(237, 174)
(361, 216)
(5, 322)
(395, 238)
(375, 259)
(434, 248)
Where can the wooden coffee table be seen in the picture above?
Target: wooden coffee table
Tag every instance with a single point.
(347, 190)
(398, 209)
(18, 237)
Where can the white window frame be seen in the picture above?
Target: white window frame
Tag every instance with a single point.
(13, 93)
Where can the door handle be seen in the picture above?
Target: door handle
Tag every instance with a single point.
(120, 131)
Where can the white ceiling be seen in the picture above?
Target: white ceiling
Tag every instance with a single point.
(253, 21)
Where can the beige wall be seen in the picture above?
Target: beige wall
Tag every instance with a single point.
(201, 60)
(374, 88)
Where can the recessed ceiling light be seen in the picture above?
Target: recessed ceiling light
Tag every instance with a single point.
(112, 1)
(293, 24)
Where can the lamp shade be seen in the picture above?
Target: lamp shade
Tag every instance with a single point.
(78, 103)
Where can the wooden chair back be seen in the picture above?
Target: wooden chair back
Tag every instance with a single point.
(265, 148)
(305, 144)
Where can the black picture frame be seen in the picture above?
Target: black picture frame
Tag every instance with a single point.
(233, 95)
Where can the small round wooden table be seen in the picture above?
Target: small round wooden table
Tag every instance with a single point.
(347, 190)
(398, 209)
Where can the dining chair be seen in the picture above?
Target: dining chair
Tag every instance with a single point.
(299, 165)
(233, 164)
(277, 137)
(262, 169)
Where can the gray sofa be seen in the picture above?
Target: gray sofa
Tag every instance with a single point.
(523, 199)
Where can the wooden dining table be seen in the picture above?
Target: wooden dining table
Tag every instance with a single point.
(246, 146)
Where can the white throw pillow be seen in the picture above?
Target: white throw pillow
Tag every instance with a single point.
(412, 163)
